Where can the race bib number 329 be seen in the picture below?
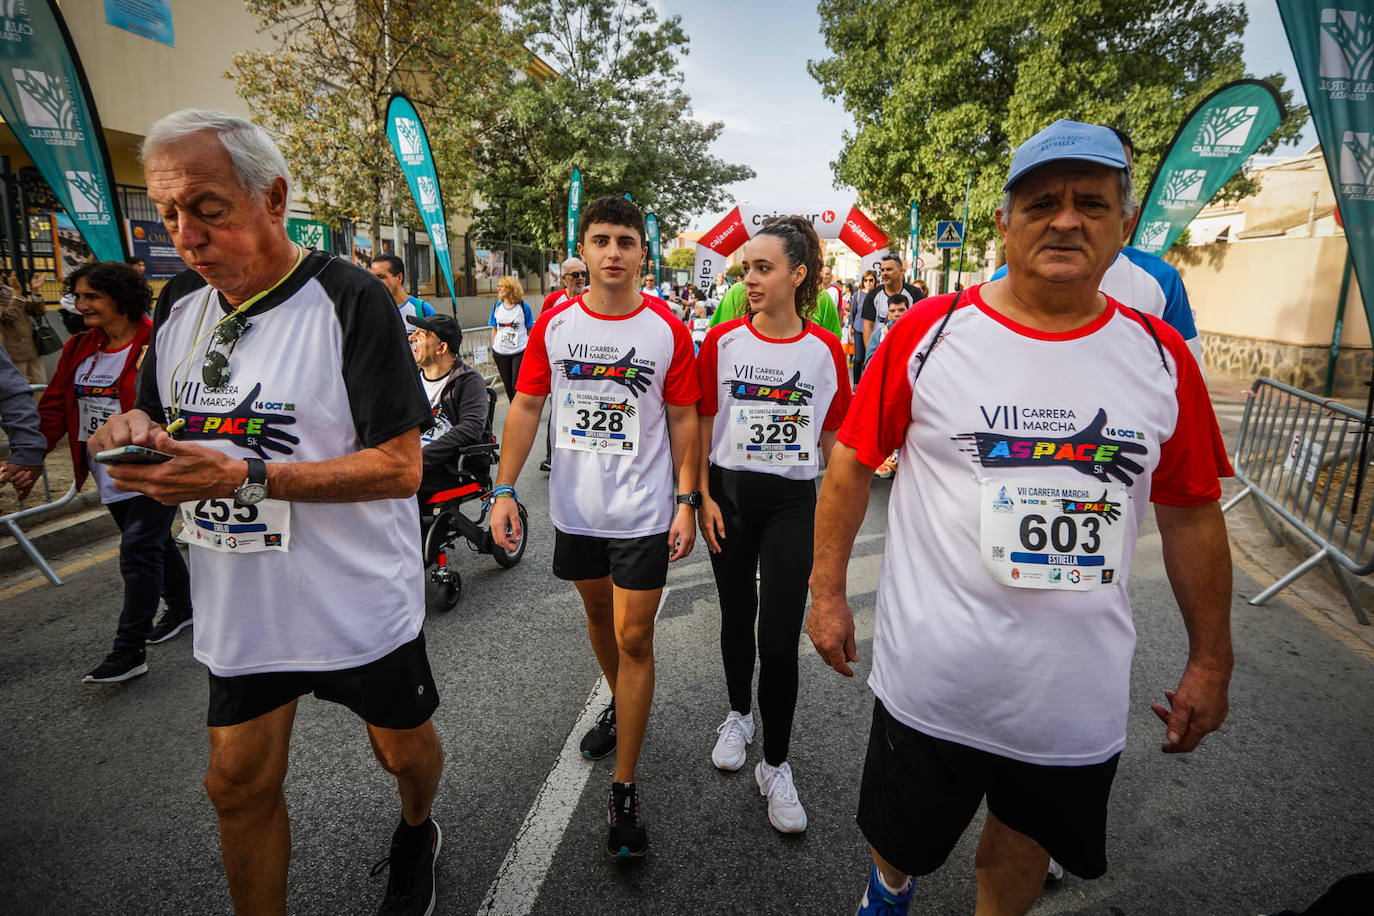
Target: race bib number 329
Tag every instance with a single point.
(1052, 534)
(772, 435)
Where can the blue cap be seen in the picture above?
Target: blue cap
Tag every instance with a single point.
(1066, 139)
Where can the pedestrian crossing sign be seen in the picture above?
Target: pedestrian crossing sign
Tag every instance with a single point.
(949, 234)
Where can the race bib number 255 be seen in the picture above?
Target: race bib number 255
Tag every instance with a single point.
(227, 526)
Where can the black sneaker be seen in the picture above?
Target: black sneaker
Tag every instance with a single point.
(169, 626)
(600, 740)
(119, 665)
(410, 886)
(628, 836)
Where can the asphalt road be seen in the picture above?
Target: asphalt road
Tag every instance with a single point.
(104, 810)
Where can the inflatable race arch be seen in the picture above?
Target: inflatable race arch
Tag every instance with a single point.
(739, 225)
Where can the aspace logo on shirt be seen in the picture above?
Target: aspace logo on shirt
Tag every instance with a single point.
(97, 391)
(760, 383)
(582, 364)
(1089, 451)
(252, 424)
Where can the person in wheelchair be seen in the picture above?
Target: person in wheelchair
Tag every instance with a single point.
(458, 397)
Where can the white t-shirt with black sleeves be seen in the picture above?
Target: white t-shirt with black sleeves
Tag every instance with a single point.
(739, 371)
(321, 372)
(1074, 431)
(643, 361)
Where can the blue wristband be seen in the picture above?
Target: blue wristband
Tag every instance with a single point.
(505, 490)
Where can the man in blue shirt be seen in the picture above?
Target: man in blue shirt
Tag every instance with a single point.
(391, 270)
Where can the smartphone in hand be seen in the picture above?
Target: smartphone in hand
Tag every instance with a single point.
(132, 454)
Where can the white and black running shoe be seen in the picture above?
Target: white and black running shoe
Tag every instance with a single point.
(168, 626)
(600, 738)
(119, 665)
(628, 836)
(410, 885)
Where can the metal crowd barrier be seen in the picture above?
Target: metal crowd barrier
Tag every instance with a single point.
(477, 342)
(1303, 459)
(11, 521)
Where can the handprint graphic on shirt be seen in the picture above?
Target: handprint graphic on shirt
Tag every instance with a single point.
(634, 377)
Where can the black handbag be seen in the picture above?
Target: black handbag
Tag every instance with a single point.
(44, 337)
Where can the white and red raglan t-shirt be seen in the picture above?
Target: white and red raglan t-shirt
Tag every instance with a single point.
(611, 379)
(1027, 459)
(768, 400)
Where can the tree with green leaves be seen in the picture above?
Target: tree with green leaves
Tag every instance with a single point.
(616, 110)
(681, 258)
(323, 92)
(939, 87)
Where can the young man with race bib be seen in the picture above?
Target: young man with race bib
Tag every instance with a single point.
(623, 487)
(774, 390)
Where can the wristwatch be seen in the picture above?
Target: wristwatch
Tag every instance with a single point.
(692, 499)
(253, 490)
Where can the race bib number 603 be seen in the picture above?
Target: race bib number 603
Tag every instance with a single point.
(1049, 534)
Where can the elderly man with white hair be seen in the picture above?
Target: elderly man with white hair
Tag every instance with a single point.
(279, 382)
(574, 277)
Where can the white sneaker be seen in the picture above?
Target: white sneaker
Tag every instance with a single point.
(1056, 872)
(736, 733)
(785, 811)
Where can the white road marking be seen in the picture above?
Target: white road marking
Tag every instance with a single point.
(521, 876)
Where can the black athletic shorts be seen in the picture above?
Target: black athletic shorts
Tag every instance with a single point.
(919, 794)
(638, 564)
(395, 691)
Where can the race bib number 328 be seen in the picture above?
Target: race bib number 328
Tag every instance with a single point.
(590, 421)
(1052, 534)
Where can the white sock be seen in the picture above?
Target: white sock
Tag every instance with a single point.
(894, 891)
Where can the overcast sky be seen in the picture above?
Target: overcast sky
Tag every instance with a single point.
(781, 126)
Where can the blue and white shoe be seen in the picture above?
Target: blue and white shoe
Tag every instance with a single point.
(879, 901)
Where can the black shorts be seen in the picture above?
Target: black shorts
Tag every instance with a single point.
(395, 691)
(637, 564)
(919, 794)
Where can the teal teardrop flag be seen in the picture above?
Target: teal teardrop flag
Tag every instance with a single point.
(651, 230)
(409, 141)
(574, 209)
(46, 101)
(1222, 132)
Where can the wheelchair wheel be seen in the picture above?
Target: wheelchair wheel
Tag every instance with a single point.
(508, 558)
(449, 594)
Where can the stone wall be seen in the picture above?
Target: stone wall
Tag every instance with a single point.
(1301, 367)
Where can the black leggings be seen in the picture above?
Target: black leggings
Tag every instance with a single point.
(508, 365)
(768, 527)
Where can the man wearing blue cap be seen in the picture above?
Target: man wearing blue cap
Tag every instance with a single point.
(1146, 281)
(1035, 417)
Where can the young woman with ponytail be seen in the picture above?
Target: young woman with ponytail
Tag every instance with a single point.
(774, 390)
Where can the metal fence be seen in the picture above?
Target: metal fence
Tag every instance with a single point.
(1305, 459)
(12, 520)
(476, 351)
